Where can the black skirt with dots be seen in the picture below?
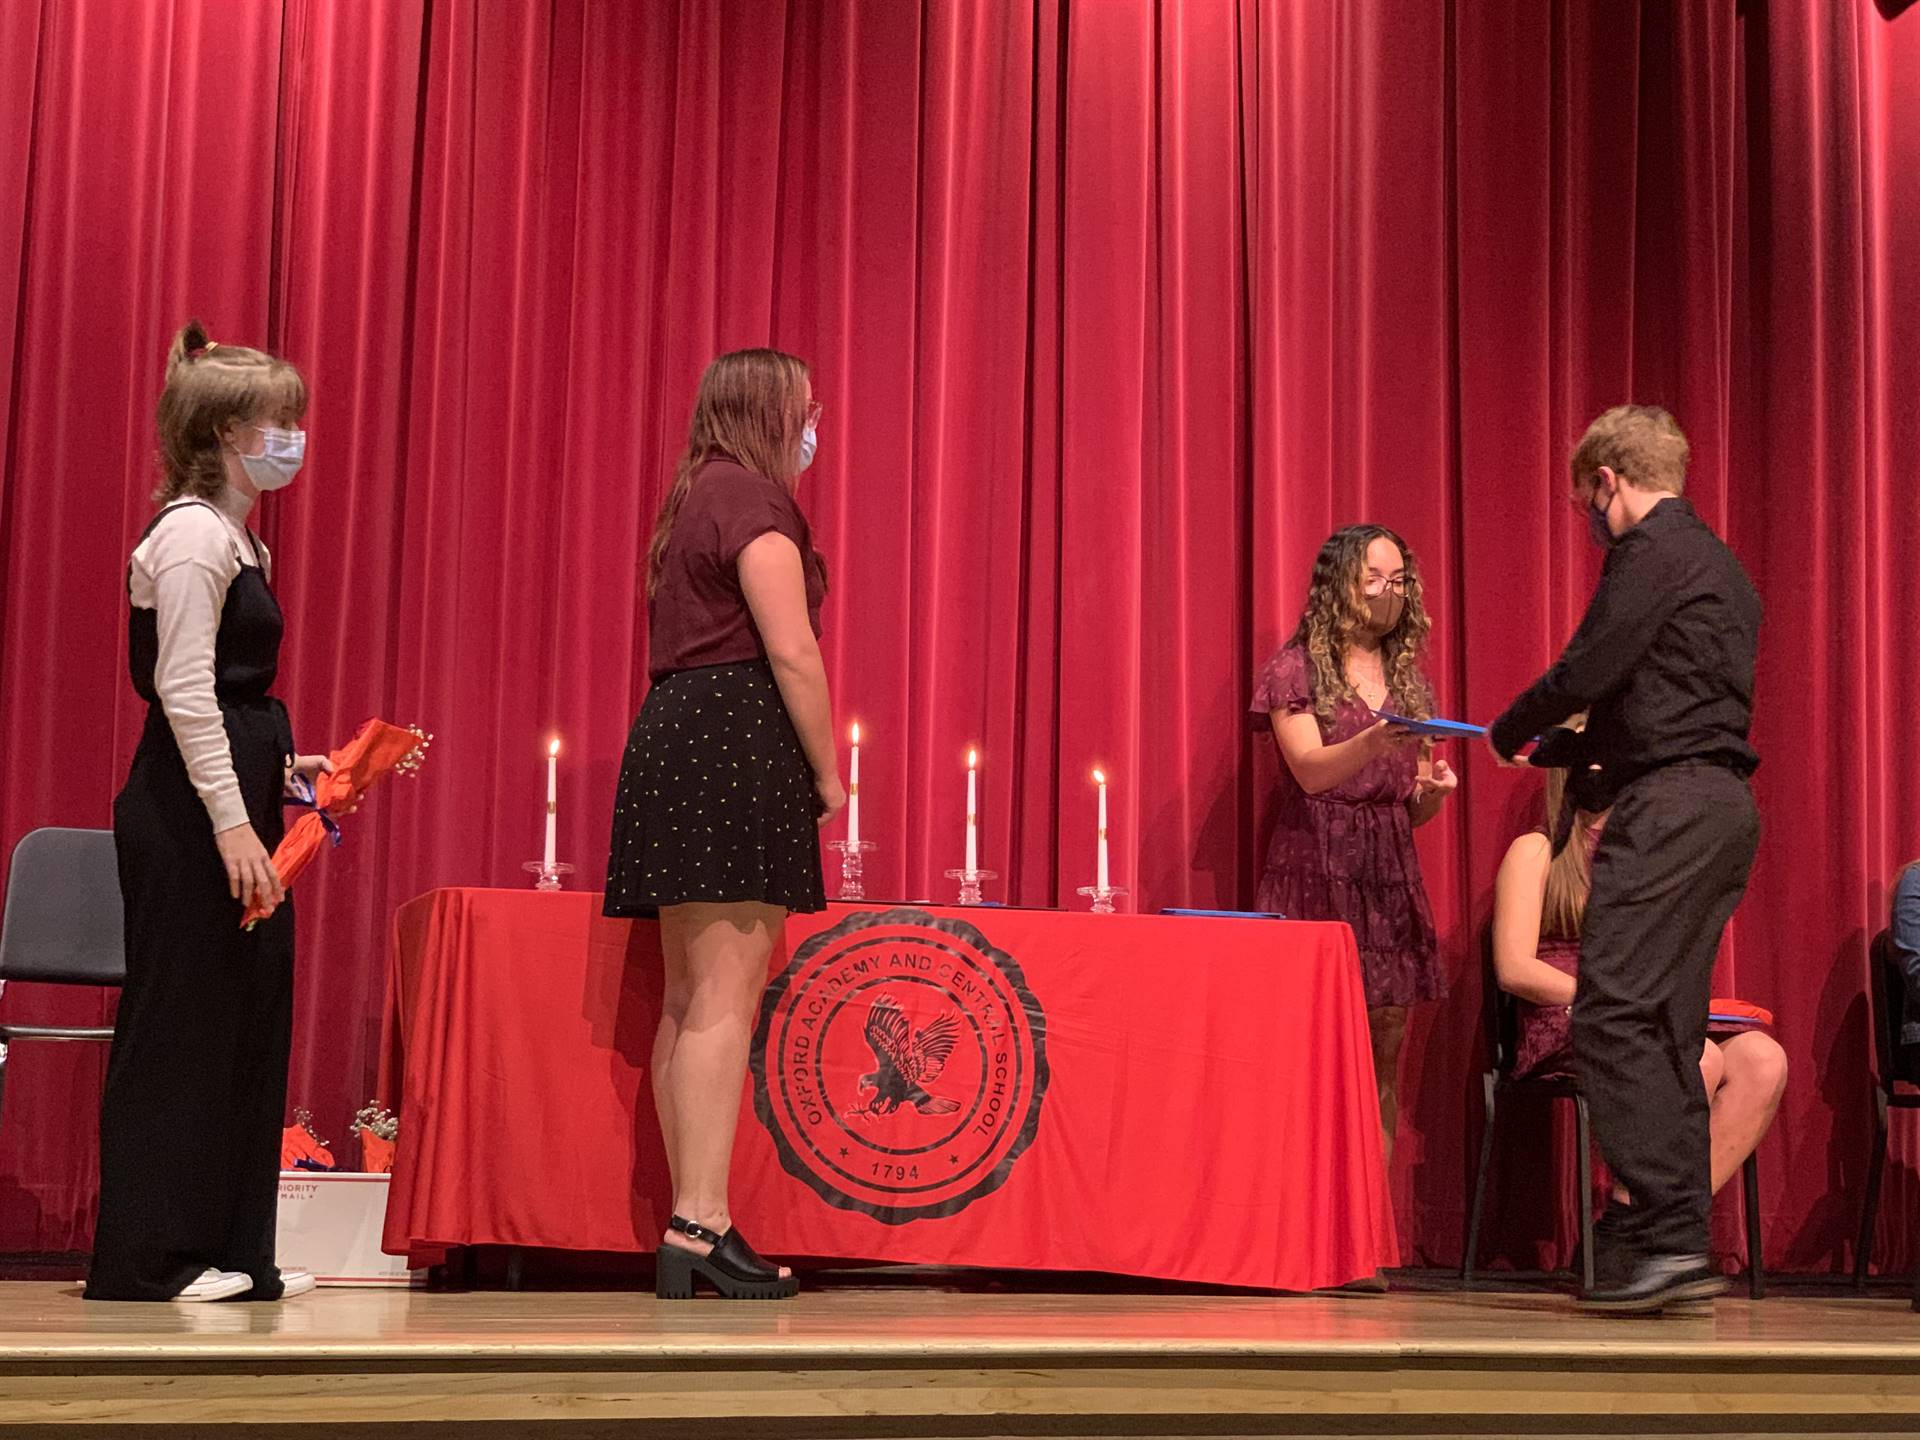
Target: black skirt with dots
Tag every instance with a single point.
(716, 801)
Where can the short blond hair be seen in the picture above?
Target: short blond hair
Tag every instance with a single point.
(1642, 444)
(209, 387)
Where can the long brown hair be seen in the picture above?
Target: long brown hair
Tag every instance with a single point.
(1570, 873)
(751, 407)
(210, 387)
(1333, 613)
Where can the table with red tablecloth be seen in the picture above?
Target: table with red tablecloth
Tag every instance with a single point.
(1187, 1098)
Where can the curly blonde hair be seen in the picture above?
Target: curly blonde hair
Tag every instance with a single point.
(1335, 611)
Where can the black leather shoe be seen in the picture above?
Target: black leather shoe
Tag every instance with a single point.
(1652, 1284)
(732, 1267)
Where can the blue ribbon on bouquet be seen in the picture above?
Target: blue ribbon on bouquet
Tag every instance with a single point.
(304, 794)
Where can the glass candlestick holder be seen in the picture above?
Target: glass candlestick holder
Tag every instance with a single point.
(853, 855)
(970, 883)
(545, 876)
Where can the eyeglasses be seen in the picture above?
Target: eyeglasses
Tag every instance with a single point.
(1377, 585)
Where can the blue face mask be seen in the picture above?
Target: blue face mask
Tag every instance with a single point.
(809, 444)
(280, 459)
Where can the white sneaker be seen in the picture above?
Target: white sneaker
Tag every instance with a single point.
(296, 1282)
(216, 1285)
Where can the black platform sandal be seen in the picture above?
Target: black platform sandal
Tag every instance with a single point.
(732, 1268)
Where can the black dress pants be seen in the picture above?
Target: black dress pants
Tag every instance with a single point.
(1668, 873)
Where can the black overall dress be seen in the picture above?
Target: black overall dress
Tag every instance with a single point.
(196, 1085)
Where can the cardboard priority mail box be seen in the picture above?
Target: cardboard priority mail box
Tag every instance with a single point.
(330, 1223)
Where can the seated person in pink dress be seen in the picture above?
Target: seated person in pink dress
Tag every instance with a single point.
(1539, 901)
(1353, 787)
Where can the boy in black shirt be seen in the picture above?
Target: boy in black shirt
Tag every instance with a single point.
(1664, 663)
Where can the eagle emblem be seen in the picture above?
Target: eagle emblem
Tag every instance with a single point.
(906, 1060)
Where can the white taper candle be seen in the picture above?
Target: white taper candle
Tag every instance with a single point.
(553, 799)
(853, 790)
(973, 812)
(1101, 877)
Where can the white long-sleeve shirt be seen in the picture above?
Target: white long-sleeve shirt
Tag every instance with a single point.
(181, 572)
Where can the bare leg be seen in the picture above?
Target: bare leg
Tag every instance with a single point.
(1754, 1078)
(1744, 1078)
(676, 993)
(727, 948)
(1388, 1025)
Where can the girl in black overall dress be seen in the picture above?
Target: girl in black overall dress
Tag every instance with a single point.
(196, 1086)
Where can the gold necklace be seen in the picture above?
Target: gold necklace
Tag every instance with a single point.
(1374, 692)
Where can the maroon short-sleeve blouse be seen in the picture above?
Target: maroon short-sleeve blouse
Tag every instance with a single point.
(698, 615)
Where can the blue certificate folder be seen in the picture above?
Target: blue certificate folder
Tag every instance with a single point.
(1223, 914)
(1438, 729)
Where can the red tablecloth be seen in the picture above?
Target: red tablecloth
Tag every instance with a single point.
(1184, 1098)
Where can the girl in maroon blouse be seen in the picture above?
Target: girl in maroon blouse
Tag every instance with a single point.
(729, 771)
(1353, 787)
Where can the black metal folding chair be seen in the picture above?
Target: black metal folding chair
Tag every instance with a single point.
(1896, 1076)
(1500, 1020)
(62, 925)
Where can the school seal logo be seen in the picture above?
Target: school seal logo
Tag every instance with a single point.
(899, 1064)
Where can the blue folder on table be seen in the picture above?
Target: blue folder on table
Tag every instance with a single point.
(1223, 914)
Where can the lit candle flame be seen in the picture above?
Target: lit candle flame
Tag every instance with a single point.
(856, 732)
(973, 758)
(553, 749)
(1098, 778)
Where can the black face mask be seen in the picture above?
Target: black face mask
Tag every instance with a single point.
(1597, 527)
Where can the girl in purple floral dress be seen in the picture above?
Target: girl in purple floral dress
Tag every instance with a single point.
(1352, 786)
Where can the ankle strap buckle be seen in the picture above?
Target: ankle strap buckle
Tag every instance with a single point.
(694, 1231)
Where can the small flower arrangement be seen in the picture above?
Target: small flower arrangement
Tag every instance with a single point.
(378, 1128)
(301, 1148)
(378, 1119)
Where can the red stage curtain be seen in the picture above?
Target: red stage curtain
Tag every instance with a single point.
(1116, 310)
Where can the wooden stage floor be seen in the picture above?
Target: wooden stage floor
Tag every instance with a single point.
(860, 1358)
